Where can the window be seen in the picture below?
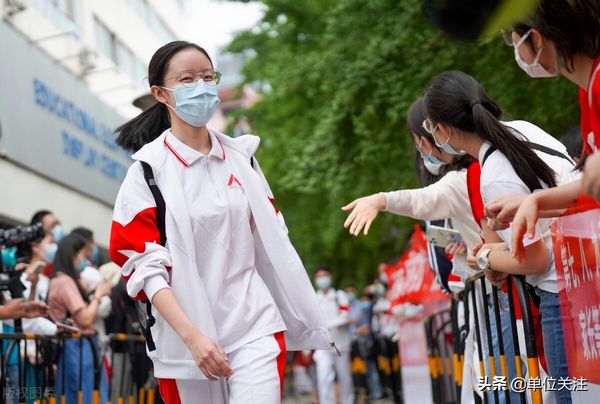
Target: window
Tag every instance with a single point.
(121, 55)
(105, 40)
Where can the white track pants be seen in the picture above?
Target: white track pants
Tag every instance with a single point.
(257, 378)
(329, 364)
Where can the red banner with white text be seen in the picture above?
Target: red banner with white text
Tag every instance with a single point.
(411, 280)
(577, 256)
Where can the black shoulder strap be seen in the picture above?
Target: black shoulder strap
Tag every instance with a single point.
(550, 151)
(144, 308)
(487, 154)
(161, 207)
(252, 162)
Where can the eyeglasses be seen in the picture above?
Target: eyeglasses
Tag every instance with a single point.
(191, 79)
(427, 126)
(507, 36)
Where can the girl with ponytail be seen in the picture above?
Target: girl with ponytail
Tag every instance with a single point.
(517, 158)
(200, 243)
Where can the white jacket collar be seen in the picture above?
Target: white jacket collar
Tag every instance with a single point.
(155, 152)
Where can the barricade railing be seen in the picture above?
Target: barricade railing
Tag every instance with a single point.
(33, 369)
(443, 356)
(380, 353)
(515, 285)
(126, 392)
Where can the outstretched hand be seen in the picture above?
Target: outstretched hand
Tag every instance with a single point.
(364, 212)
(524, 225)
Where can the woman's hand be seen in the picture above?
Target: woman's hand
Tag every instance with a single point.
(496, 278)
(102, 290)
(456, 249)
(364, 212)
(503, 210)
(591, 176)
(472, 257)
(209, 356)
(17, 308)
(524, 224)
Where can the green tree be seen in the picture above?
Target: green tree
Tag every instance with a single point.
(337, 80)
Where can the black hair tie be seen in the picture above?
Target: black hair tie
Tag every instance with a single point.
(473, 103)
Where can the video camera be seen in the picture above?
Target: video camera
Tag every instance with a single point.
(15, 248)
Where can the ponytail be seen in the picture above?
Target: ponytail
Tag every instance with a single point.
(527, 164)
(144, 128)
(149, 125)
(457, 99)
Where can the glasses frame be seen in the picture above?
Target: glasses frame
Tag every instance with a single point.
(427, 126)
(217, 75)
(507, 37)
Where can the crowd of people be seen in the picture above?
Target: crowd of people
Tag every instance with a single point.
(66, 290)
(364, 328)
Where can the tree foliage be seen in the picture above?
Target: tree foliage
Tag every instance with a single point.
(338, 78)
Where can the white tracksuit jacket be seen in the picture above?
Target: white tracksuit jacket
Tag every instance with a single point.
(148, 267)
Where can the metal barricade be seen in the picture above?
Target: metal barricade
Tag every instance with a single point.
(40, 376)
(442, 360)
(127, 392)
(515, 284)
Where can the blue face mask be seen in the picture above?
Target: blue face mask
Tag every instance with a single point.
(446, 147)
(195, 105)
(95, 254)
(58, 233)
(365, 306)
(351, 297)
(323, 282)
(83, 265)
(50, 252)
(430, 158)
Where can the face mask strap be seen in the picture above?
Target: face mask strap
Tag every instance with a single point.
(523, 38)
(440, 145)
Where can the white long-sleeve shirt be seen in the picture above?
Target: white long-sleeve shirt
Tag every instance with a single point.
(447, 198)
(499, 178)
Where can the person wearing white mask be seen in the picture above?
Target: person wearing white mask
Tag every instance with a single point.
(335, 307)
(560, 38)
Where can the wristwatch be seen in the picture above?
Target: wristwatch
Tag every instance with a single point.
(483, 262)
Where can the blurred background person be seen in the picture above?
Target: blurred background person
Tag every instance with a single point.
(70, 302)
(335, 306)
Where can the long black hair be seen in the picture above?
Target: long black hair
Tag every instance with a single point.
(148, 125)
(571, 25)
(414, 120)
(68, 248)
(457, 99)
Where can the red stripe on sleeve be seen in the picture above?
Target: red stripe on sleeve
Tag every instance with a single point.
(133, 237)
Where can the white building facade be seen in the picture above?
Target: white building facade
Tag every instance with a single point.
(69, 73)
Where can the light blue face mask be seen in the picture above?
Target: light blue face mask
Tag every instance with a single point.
(83, 265)
(446, 147)
(50, 252)
(430, 158)
(323, 282)
(195, 105)
(58, 233)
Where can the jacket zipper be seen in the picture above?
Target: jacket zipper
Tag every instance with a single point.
(336, 348)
